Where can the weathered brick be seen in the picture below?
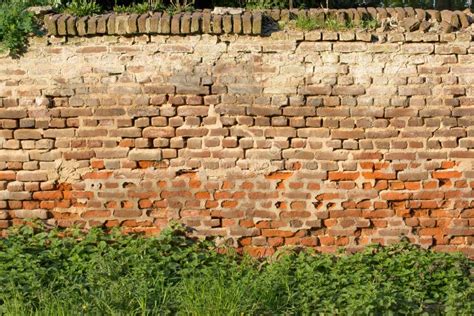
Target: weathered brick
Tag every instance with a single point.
(280, 132)
(370, 139)
(347, 134)
(14, 155)
(111, 153)
(37, 175)
(348, 90)
(313, 132)
(31, 214)
(410, 91)
(12, 113)
(153, 132)
(316, 90)
(145, 154)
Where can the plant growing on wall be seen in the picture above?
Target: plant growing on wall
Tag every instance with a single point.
(181, 5)
(15, 25)
(83, 8)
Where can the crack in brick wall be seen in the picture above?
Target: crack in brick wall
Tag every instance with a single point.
(260, 141)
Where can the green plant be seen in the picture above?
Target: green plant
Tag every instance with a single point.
(307, 24)
(132, 8)
(74, 272)
(369, 23)
(83, 7)
(330, 23)
(176, 6)
(57, 5)
(139, 8)
(15, 25)
(266, 4)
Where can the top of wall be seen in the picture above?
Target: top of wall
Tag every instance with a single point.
(425, 23)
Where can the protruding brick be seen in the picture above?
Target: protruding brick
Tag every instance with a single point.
(153, 24)
(92, 25)
(50, 23)
(81, 26)
(196, 22)
(257, 23)
(247, 23)
(227, 23)
(206, 22)
(165, 24)
(175, 24)
(237, 23)
(217, 24)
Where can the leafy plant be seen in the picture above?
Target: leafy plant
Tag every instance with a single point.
(176, 6)
(369, 23)
(15, 25)
(266, 4)
(133, 8)
(69, 272)
(83, 8)
(307, 24)
(333, 24)
(139, 8)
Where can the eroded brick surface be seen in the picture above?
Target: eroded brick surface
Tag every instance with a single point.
(263, 142)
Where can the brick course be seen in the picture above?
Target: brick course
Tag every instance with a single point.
(262, 141)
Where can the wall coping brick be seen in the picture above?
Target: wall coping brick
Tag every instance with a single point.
(413, 24)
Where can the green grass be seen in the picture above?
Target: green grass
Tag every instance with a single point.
(76, 273)
(330, 23)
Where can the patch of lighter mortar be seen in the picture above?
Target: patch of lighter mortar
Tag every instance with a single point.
(71, 171)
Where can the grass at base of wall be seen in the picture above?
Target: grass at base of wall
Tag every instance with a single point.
(73, 272)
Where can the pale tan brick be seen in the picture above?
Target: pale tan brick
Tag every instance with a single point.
(145, 154)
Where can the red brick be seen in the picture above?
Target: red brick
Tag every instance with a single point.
(96, 213)
(394, 196)
(279, 175)
(277, 233)
(446, 174)
(7, 175)
(48, 195)
(379, 175)
(337, 175)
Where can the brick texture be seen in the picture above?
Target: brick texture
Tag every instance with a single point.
(259, 22)
(260, 141)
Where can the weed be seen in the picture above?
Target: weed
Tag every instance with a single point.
(176, 6)
(139, 8)
(332, 24)
(369, 24)
(15, 25)
(83, 8)
(71, 272)
(266, 4)
(307, 23)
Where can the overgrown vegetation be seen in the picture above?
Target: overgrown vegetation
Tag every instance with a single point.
(74, 273)
(309, 23)
(15, 25)
(82, 8)
(138, 8)
(266, 4)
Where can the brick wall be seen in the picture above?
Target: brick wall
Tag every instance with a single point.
(314, 139)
